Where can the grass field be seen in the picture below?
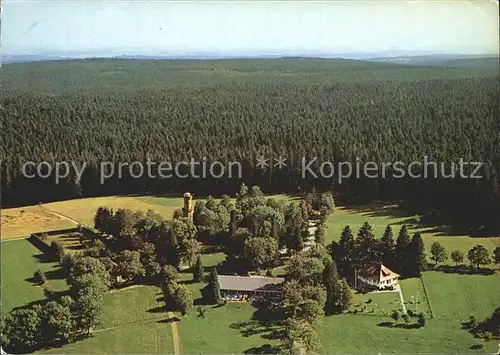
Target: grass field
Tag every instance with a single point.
(143, 338)
(456, 297)
(229, 329)
(20, 259)
(415, 296)
(83, 210)
(359, 334)
(453, 299)
(134, 323)
(22, 221)
(376, 303)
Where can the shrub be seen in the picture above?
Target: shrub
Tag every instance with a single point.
(48, 292)
(421, 320)
(58, 250)
(44, 237)
(411, 313)
(269, 273)
(39, 277)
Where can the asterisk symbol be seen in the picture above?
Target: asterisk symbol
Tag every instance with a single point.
(280, 162)
(262, 162)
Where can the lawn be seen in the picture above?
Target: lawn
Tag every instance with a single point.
(134, 322)
(453, 298)
(22, 221)
(456, 297)
(382, 303)
(359, 334)
(133, 305)
(20, 259)
(229, 329)
(145, 338)
(415, 296)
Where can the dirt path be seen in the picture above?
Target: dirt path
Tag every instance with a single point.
(60, 215)
(175, 334)
(12, 239)
(154, 319)
(403, 305)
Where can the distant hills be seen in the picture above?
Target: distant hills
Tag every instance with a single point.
(489, 61)
(449, 60)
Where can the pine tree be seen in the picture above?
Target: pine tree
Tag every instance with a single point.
(387, 239)
(331, 283)
(214, 284)
(401, 257)
(198, 273)
(365, 244)
(416, 255)
(345, 251)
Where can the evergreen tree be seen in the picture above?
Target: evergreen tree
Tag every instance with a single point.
(215, 287)
(387, 240)
(402, 253)
(416, 256)
(319, 234)
(345, 251)
(331, 284)
(198, 273)
(365, 244)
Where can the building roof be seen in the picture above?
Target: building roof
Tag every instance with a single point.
(249, 283)
(377, 272)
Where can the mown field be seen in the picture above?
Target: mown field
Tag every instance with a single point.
(456, 297)
(83, 210)
(453, 298)
(22, 221)
(19, 261)
(359, 334)
(134, 323)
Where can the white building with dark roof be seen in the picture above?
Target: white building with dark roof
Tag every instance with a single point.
(245, 288)
(377, 275)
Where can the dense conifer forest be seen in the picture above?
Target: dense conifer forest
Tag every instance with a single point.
(236, 110)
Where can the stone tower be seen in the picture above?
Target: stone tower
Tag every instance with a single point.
(187, 210)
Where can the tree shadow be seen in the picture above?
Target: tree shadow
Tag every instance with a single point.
(71, 238)
(266, 321)
(45, 258)
(264, 349)
(464, 270)
(58, 274)
(187, 282)
(169, 320)
(159, 309)
(399, 325)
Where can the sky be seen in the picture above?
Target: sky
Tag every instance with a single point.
(152, 27)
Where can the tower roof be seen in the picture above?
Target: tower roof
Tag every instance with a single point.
(188, 194)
